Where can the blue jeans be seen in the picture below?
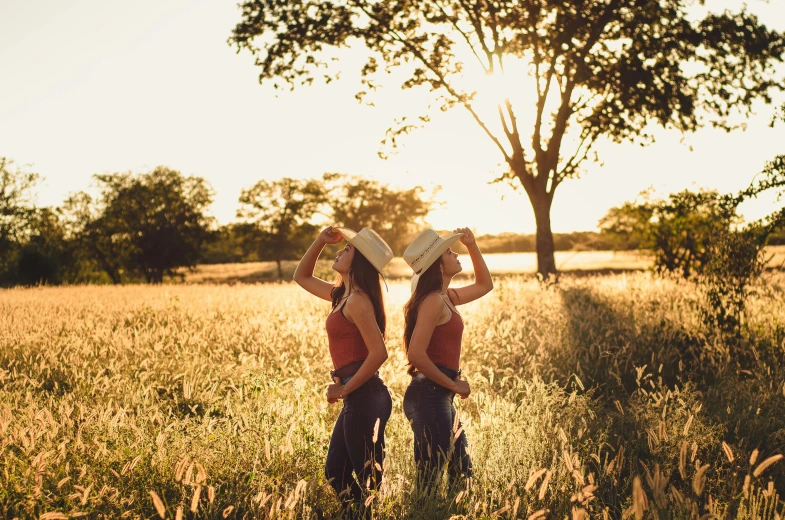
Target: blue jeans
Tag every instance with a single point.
(431, 413)
(352, 447)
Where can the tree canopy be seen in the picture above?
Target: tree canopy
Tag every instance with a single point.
(281, 212)
(149, 224)
(590, 69)
(396, 214)
(16, 207)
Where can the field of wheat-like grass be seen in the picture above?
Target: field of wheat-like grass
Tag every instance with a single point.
(601, 397)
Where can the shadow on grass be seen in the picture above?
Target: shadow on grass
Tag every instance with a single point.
(608, 343)
(607, 339)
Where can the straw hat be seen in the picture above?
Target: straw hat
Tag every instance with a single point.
(426, 248)
(370, 244)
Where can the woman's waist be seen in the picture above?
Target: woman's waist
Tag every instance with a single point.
(452, 373)
(348, 370)
(446, 357)
(343, 354)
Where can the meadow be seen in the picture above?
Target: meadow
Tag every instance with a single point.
(569, 262)
(601, 397)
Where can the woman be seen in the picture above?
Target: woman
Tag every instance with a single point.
(355, 333)
(432, 337)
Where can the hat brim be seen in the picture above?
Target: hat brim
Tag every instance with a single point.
(447, 242)
(346, 233)
(361, 245)
(437, 251)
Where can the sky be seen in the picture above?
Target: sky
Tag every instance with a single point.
(102, 86)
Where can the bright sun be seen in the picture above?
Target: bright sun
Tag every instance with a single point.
(513, 85)
(517, 86)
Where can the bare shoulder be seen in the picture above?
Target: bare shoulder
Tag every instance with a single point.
(359, 302)
(432, 304)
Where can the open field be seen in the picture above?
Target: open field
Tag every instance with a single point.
(601, 396)
(575, 262)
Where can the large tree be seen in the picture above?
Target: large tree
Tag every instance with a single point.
(597, 69)
(281, 213)
(395, 214)
(150, 224)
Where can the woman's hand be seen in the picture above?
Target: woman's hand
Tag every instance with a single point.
(334, 393)
(330, 236)
(468, 236)
(462, 387)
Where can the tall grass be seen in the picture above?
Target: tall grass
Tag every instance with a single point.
(601, 397)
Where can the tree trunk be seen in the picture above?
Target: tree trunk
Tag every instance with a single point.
(540, 199)
(280, 270)
(546, 263)
(114, 274)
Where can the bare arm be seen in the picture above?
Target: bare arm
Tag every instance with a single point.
(359, 310)
(303, 275)
(427, 318)
(483, 283)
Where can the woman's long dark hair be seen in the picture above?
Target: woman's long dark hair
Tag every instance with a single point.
(430, 281)
(364, 276)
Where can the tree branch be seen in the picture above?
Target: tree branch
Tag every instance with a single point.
(574, 162)
(442, 82)
(477, 24)
(542, 97)
(465, 36)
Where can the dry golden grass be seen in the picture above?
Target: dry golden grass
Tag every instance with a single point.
(601, 397)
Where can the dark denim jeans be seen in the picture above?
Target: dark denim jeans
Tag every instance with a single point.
(352, 447)
(431, 413)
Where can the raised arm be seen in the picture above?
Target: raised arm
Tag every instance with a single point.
(359, 310)
(427, 317)
(483, 283)
(303, 275)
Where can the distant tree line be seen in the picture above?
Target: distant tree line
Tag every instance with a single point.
(147, 227)
(150, 226)
(278, 217)
(139, 228)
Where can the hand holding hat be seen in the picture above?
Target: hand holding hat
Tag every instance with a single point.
(468, 236)
(330, 235)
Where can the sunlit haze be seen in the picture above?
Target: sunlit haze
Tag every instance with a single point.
(93, 86)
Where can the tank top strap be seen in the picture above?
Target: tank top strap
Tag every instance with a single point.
(340, 309)
(342, 304)
(449, 305)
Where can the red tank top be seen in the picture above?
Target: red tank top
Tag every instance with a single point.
(346, 342)
(445, 346)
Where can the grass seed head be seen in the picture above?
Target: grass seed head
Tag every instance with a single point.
(158, 503)
(765, 464)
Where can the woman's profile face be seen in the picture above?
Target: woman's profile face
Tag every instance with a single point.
(450, 263)
(343, 259)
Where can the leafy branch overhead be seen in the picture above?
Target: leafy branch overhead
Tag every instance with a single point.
(591, 69)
